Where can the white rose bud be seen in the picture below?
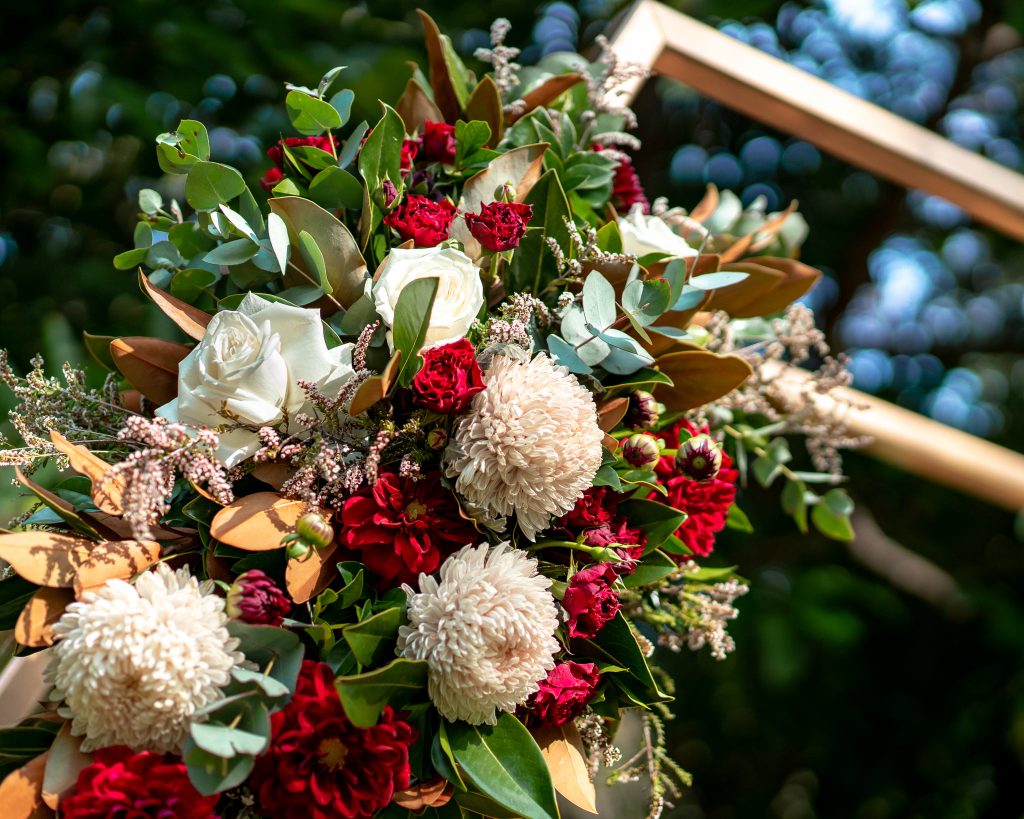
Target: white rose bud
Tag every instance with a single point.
(460, 293)
(246, 370)
(643, 234)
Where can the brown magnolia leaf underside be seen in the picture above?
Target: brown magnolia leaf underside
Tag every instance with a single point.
(191, 320)
(64, 762)
(374, 388)
(150, 365)
(256, 523)
(485, 104)
(117, 559)
(107, 490)
(415, 107)
(433, 794)
(440, 80)
(44, 558)
(544, 94)
(21, 793)
(34, 628)
(563, 752)
(307, 576)
(699, 377)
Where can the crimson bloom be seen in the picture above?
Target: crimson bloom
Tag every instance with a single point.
(276, 154)
(422, 220)
(626, 188)
(449, 378)
(320, 766)
(125, 784)
(563, 694)
(705, 502)
(402, 527)
(410, 147)
(596, 517)
(438, 142)
(254, 598)
(590, 599)
(500, 225)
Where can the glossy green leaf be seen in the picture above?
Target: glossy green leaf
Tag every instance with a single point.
(533, 264)
(365, 695)
(654, 567)
(412, 317)
(310, 116)
(336, 188)
(381, 154)
(371, 638)
(658, 520)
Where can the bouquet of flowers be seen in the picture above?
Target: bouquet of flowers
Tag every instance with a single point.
(398, 529)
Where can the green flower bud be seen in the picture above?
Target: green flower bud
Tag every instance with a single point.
(643, 411)
(641, 451)
(314, 530)
(699, 458)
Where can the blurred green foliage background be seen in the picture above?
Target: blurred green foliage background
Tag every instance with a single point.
(875, 681)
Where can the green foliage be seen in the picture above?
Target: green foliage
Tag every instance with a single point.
(412, 317)
(365, 695)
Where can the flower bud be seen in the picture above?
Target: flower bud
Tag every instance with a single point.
(699, 458)
(314, 530)
(641, 450)
(437, 439)
(505, 193)
(297, 549)
(255, 598)
(643, 410)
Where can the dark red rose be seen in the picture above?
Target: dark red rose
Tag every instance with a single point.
(125, 784)
(255, 598)
(401, 527)
(320, 766)
(590, 599)
(705, 502)
(271, 178)
(437, 144)
(421, 219)
(563, 694)
(410, 147)
(500, 225)
(626, 188)
(449, 378)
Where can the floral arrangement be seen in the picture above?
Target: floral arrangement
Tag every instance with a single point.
(398, 529)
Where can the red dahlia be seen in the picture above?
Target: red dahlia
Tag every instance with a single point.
(321, 766)
(402, 527)
(124, 784)
(422, 220)
(706, 502)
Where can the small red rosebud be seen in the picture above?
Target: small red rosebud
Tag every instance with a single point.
(699, 458)
(500, 225)
(641, 451)
(254, 598)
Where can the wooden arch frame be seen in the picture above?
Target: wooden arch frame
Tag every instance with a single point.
(770, 90)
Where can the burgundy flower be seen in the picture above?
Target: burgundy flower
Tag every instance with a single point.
(596, 507)
(590, 599)
(402, 527)
(125, 784)
(705, 502)
(449, 378)
(276, 154)
(597, 519)
(424, 221)
(270, 179)
(321, 766)
(500, 225)
(626, 188)
(620, 533)
(255, 598)
(563, 694)
(410, 147)
(437, 143)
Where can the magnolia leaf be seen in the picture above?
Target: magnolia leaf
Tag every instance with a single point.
(742, 299)
(485, 104)
(563, 753)
(369, 638)
(374, 388)
(256, 523)
(412, 319)
(345, 266)
(34, 628)
(449, 91)
(150, 365)
(45, 558)
(434, 793)
(762, 235)
(611, 412)
(120, 559)
(309, 575)
(365, 695)
(64, 762)
(84, 523)
(699, 377)
(191, 320)
(706, 206)
(551, 209)
(107, 489)
(799, 279)
(544, 94)
(415, 107)
(274, 474)
(21, 793)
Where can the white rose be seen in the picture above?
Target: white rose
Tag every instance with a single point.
(643, 234)
(247, 369)
(460, 293)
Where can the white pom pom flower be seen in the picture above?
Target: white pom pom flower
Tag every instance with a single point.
(530, 443)
(133, 663)
(486, 630)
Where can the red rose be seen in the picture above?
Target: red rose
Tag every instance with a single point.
(424, 221)
(500, 225)
(563, 694)
(271, 178)
(705, 502)
(320, 766)
(402, 527)
(276, 154)
(126, 784)
(410, 147)
(626, 188)
(449, 378)
(590, 599)
(438, 142)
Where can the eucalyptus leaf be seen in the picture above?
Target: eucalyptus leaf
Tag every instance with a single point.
(234, 252)
(210, 184)
(310, 116)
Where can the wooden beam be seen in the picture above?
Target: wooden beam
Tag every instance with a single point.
(782, 96)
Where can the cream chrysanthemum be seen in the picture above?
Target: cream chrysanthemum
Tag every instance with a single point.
(530, 443)
(486, 631)
(133, 663)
